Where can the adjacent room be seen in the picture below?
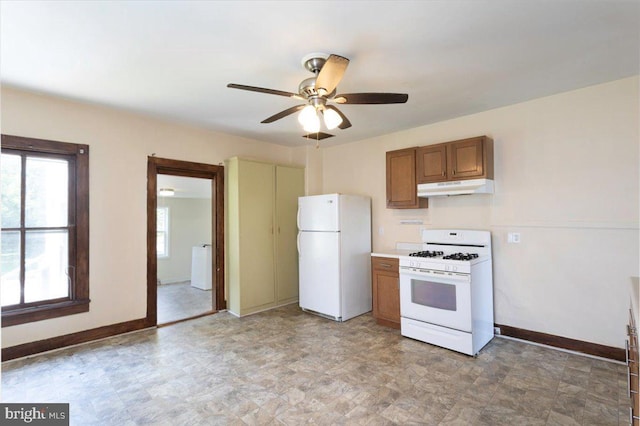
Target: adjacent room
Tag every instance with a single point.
(291, 212)
(183, 244)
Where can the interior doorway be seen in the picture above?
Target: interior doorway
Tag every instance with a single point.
(209, 248)
(183, 248)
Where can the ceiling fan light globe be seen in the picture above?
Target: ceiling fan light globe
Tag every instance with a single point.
(307, 114)
(312, 125)
(331, 119)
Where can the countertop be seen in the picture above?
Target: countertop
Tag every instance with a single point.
(392, 253)
(402, 249)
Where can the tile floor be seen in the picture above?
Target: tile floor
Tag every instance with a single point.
(288, 367)
(177, 301)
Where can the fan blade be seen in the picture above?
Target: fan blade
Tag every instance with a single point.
(283, 114)
(345, 121)
(331, 73)
(263, 90)
(371, 98)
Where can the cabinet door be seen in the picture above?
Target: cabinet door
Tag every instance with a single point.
(386, 291)
(388, 300)
(466, 159)
(289, 186)
(632, 369)
(431, 163)
(402, 192)
(256, 254)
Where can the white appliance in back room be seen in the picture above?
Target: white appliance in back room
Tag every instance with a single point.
(334, 249)
(201, 267)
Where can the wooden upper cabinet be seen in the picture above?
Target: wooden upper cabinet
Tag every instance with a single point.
(431, 163)
(464, 159)
(402, 192)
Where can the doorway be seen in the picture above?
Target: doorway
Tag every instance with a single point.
(163, 170)
(183, 247)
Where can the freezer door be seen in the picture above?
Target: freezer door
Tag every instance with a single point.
(319, 213)
(319, 263)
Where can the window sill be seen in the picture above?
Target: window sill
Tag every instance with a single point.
(44, 312)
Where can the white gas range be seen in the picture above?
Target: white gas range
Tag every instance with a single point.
(446, 290)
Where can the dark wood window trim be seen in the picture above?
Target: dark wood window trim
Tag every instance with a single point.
(78, 300)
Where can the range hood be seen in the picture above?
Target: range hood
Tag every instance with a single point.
(456, 187)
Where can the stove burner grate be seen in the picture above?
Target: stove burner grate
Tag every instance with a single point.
(461, 256)
(426, 253)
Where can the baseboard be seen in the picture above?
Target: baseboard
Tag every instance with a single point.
(595, 349)
(259, 310)
(58, 342)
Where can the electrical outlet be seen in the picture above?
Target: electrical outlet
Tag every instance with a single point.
(381, 230)
(496, 331)
(513, 237)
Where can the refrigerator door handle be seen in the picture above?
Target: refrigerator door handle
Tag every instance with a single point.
(298, 217)
(298, 243)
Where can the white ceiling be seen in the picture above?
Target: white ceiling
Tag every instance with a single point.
(173, 59)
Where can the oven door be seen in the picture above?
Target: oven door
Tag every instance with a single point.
(436, 297)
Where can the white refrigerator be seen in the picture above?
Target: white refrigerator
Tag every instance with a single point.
(334, 250)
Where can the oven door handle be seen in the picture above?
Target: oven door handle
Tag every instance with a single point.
(440, 277)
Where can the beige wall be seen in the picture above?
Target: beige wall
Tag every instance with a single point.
(311, 156)
(566, 178)
(120, 143)
(189, 225)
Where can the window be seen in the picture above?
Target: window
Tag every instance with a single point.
(44, 262)
(162, 231)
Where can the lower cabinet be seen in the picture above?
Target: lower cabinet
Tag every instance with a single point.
(632, 371)
(386, 291)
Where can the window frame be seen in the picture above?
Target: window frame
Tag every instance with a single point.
(165, 231)
(78, 300)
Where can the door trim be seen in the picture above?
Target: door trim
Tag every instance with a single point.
(155, 166)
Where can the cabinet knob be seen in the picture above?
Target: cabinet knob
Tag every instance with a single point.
(454, 172)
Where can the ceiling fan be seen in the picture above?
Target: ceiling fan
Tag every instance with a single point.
(319, 92)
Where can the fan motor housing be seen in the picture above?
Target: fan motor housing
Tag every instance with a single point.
(307, 88)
